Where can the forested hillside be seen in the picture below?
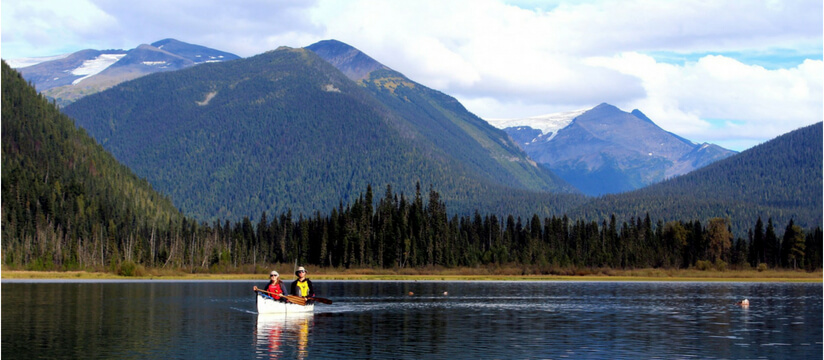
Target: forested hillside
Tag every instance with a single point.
(780, 179)
(442, 121)
(67, 203)
(285, 130)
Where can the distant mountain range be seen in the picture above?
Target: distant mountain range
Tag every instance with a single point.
(287, 130)
(780, 179)
(605, 150)
(72, 76)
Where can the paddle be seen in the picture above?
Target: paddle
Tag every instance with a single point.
(296, 299)
(291, 298)
(319, 299)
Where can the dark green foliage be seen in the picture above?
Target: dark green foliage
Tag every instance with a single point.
(393, 231)
(67, 203)
(286, 130)
(780, 179)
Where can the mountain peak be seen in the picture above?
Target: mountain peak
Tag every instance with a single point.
(352, 62)
(641, 116)
(69, 77)
(605, 109)
(606, 150)
(167, 41)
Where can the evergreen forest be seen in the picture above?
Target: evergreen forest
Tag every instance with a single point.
(67, 204)
(285, 130)
(779, 179)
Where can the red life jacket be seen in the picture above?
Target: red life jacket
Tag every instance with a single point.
(275, 290)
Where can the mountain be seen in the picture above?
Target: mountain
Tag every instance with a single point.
(605, 150)
(352, 62)
(780, 179)
(286, 130)
(442, 121)
(85, 72)
(64, 198)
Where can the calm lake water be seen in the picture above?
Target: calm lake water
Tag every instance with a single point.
(379, 320)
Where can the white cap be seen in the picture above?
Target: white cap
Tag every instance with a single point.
(274, 273)
(300, 268)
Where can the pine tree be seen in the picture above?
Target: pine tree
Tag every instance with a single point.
(757, 253)
(772, 246)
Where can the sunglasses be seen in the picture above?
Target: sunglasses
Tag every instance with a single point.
(301, 271)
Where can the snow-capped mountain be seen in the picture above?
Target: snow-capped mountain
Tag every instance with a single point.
(548, 125)
(605, 150)
(68, 77)
(29, 61)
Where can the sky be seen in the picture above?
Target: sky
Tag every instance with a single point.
(733, 73)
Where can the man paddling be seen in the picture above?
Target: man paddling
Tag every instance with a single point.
(303, 286)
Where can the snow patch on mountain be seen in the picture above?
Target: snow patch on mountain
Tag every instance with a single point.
(94, 66)
(547, 124)
(29, 61)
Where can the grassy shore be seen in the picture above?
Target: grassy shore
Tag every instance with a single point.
(461, 274)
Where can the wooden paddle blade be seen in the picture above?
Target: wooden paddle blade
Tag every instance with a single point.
(296, 300)
(325, 301)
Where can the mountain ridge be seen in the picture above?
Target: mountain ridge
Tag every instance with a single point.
(605, 150)
(286, 130)
(779, 179)
(89, 71)
(352, 62)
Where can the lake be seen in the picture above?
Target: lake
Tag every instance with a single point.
(440, 320)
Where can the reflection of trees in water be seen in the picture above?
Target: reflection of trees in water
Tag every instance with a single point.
(280, 332)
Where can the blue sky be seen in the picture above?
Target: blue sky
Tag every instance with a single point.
(734, 73)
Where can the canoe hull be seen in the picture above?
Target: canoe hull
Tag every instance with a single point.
(269, 306)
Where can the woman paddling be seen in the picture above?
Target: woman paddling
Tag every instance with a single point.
(274, 288)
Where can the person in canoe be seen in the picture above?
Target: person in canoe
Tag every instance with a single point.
(275, 288)
(303, 286)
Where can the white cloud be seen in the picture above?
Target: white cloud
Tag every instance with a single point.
(504, 59)
(720, 99)
(52, 27)
(476, 50)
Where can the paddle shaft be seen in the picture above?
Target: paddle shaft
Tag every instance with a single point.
(319, 299)
(293, 299)
(300, 300)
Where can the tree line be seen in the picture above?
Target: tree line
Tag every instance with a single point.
(399, 232)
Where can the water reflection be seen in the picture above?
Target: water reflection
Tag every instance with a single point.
(277, 335)
(380, 320)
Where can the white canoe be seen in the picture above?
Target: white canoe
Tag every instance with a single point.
(267, 305)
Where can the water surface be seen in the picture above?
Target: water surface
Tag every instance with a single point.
(448, 320)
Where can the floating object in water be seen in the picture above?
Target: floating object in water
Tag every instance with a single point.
(744, 303)
(445, 293)
(411, 293)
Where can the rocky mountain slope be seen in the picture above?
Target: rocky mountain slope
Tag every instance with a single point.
(605, 150)
(85, 72)
(779, 179)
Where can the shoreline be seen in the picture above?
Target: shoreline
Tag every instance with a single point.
(618, 276)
